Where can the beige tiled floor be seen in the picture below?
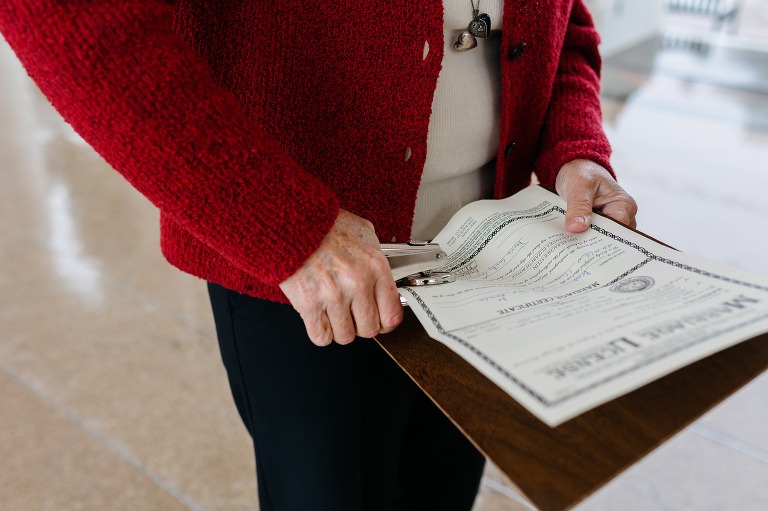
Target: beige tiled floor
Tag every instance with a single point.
(51, 462)
(109, 369)
(112, 392)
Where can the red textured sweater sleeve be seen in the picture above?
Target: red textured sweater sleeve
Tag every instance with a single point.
(573, 125)
(128, 84)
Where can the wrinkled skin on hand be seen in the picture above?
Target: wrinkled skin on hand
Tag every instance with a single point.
(585, 185)
(345, 288)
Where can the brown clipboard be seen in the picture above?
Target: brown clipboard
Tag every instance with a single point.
(556, 468)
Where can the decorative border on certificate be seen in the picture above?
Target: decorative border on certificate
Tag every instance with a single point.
(650, 257)
(473, 349)
(496, 231)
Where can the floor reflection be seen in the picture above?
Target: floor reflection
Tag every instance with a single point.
(79, 272)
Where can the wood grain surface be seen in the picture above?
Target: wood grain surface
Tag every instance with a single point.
(555, 468)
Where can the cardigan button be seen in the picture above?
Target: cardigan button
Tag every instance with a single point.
(509, 149)
(426, 51)
(517, 51)
(408, 153)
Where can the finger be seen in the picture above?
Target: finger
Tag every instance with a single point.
(366, 315)
(340, 316)
(318, 328)
(388, 304)
(623, 209)
(579, 198)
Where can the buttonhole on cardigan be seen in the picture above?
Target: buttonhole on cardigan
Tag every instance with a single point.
(426, 50)
(394, 239)
(408, 153)
(509, 149)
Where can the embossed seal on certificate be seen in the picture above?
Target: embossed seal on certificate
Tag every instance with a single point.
(633, 285)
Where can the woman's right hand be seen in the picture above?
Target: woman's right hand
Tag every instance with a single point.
(345, 288)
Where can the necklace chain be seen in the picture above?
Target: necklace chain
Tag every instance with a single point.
(475, 10)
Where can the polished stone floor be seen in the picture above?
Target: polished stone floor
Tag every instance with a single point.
(111, 388)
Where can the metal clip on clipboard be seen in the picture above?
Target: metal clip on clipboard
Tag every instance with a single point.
(417, 257)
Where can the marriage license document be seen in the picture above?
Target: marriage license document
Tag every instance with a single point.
(564, 322)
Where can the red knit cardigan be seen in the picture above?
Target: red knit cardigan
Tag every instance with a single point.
(249, 124)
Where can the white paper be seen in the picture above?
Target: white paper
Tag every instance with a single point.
(565, 322)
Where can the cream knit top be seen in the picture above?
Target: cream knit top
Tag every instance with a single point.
(464, 126)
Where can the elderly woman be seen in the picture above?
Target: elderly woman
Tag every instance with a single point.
(282, 141)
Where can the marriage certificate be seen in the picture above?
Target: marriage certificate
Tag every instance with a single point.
(564, 322)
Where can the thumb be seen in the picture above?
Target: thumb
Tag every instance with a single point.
(579, 212)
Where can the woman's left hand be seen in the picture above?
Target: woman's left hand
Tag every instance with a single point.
(585, 185)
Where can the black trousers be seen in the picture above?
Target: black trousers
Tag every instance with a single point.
(337, 428)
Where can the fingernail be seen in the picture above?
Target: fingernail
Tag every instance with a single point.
(578, 220)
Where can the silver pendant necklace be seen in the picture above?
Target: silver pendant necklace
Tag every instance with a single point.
(479, 27)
